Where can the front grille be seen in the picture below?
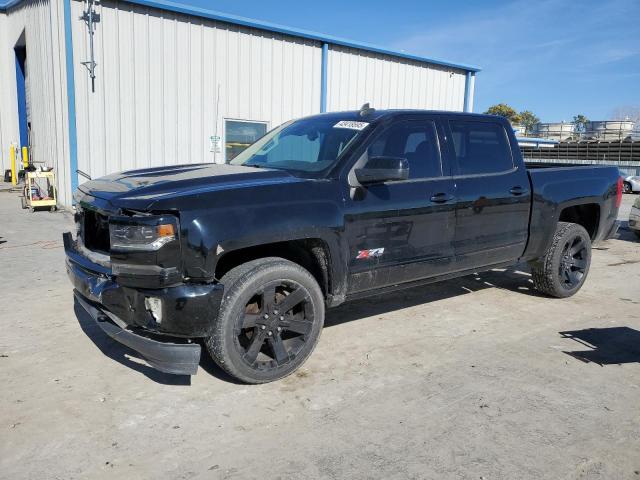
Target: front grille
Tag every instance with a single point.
(95, 231)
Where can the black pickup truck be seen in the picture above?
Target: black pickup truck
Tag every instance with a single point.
(245, 257)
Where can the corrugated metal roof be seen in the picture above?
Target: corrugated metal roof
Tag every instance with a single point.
(295, 32)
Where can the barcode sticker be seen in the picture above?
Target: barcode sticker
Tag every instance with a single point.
(351, 125)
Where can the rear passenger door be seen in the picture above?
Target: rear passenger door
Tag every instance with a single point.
(493, 194)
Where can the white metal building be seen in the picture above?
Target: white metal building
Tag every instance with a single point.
(179, 84)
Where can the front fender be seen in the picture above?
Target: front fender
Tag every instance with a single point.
(308, 210)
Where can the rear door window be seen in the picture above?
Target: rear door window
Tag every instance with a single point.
(480, 147)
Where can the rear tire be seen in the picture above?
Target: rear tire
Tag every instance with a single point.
(269, 321)
(626, 187)
(564, 268)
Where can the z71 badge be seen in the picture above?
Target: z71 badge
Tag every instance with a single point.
(371, 253)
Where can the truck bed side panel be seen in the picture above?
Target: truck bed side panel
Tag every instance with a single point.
(555, 189)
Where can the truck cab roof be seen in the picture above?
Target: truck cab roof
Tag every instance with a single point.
(390, 113)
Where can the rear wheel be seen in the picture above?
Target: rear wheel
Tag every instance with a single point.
(564, 268)
(626, 187)
(269, 322)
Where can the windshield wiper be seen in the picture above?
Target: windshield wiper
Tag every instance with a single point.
(262, 165)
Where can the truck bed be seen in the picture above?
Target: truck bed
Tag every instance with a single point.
(557, 187)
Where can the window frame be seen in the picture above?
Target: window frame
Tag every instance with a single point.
(266, 123)
(454, 157)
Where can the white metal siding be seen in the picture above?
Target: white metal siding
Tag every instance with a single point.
(8, 102)
(157, 80)
(46, 92)
(355, 77)
(4, 123)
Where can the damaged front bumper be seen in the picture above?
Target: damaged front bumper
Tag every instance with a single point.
(176, 358)
(184, 312)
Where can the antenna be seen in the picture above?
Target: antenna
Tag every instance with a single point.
(366, 110)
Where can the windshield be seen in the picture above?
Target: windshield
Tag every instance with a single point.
(307, 145)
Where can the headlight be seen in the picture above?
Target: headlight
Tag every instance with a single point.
(145, 234)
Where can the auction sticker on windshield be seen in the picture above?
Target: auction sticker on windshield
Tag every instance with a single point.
(350, 125)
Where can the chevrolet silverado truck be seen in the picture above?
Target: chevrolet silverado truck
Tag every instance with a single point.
(244, 258)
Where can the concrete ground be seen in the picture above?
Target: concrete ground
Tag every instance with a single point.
(473, 378)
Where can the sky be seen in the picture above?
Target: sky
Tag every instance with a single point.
(557, 58)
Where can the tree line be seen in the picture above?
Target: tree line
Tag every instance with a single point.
(527, 118)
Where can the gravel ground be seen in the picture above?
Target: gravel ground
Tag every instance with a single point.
(472, 378)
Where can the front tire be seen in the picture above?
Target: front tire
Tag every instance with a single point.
(626, 187)
(564, 268)
(269, 321)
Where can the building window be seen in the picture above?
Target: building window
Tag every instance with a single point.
(239, 134)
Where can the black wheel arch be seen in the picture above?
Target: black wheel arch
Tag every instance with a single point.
(585, 214)
(313, 254)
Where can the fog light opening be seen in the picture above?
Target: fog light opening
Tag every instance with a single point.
(154, 307)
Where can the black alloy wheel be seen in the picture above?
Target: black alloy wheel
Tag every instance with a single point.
(274, 326)
(573, 263)
(563, 269)
(269, 322)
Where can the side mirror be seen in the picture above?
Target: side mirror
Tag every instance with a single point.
(383, 169)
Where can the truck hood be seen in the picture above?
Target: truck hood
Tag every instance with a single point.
(146, 186)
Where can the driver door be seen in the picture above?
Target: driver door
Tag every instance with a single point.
(400, 231)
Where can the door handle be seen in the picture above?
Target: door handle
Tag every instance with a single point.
(441, 197)
(518, 190)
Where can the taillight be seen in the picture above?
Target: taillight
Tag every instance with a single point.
(619, 192)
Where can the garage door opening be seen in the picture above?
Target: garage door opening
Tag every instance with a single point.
(20, 51)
